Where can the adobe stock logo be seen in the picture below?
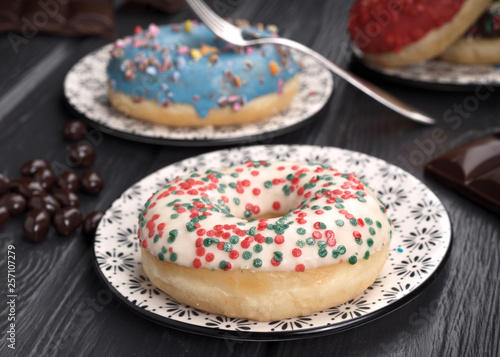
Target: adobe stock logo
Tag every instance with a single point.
(39, 19)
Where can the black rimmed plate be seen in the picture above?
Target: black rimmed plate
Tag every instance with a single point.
(434, 74)
(85, 90)
(419, 248)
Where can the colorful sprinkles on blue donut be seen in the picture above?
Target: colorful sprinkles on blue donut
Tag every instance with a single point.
(187, 64)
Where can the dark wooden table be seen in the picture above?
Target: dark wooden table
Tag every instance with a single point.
(62, 306)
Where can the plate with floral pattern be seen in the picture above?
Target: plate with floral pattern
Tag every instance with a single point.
(85, 90)
(419, 248)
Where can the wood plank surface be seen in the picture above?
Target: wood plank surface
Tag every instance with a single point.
(64, 309)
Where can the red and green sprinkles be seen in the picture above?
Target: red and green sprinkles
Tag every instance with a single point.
(322, 252)
(338, 252)
(315, 227)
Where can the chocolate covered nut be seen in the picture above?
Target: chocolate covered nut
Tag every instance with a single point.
(68, 180)
(36, 225)
(4, 215)
(67, 220)
(30, 167)
(40, 171)
(14, 202)
(92, 182)
(82, 154)
(66, 198)
(27, 187)
(4, 184)
(46, 202)
(91, 222)
(74, 130)
(45, 177)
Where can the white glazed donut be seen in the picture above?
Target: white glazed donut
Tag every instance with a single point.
(264, 240)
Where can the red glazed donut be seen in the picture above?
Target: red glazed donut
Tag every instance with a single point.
(401, 32)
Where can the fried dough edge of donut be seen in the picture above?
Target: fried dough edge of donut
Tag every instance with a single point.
(473, 51)
(266, 295)
(435, 41)
(185, 115)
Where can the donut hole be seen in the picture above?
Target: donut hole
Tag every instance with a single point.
(269, 215)
(275, 206)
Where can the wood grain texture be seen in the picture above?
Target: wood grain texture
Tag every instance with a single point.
(63, 308)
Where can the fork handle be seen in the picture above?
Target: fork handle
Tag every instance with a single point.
(373, 91)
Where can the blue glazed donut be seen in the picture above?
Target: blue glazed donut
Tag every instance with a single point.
(183, 75)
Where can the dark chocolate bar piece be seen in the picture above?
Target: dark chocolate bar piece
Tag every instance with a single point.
(58, 17)
(472, 170)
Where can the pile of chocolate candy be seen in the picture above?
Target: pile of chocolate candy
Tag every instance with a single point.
(51, 198)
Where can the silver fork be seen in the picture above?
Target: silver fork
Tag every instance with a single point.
(233, 35)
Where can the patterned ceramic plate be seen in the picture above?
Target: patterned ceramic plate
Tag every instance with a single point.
(440, 75)
(420, 244)
(85, 91)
